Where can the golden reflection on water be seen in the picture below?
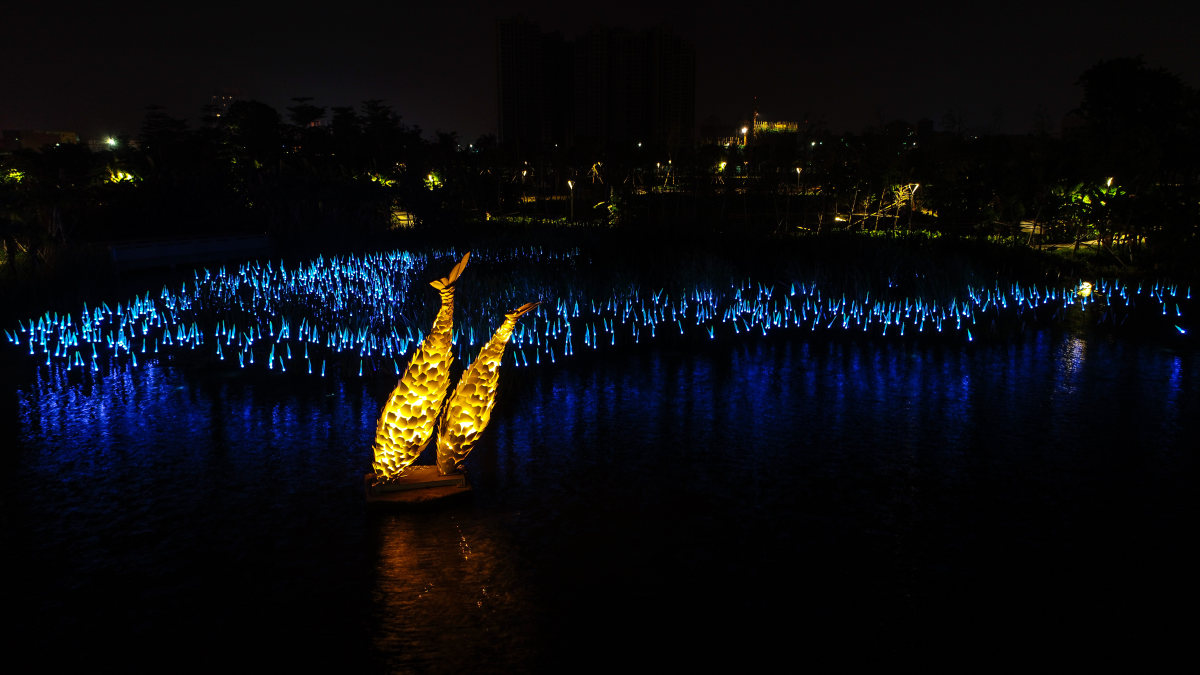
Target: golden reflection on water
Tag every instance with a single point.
(1072, 355)
(435, 607)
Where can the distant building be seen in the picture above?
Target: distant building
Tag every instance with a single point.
(17, 139)
(219, 104)
(533, 86)
(764, 127)
(609, 86)
(753, 131)
(634, 87)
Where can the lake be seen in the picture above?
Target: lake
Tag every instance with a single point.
(800, 499)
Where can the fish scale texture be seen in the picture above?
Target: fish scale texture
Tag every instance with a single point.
(470, 406)
(409, 416)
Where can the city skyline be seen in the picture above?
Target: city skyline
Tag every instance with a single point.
(82, 69)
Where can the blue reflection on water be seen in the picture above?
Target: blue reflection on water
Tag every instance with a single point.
(929, 487)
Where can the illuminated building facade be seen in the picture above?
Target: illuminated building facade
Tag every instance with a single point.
(764, 127)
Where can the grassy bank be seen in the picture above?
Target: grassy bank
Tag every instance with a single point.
(62, 278)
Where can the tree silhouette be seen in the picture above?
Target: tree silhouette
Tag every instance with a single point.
(1140, 128)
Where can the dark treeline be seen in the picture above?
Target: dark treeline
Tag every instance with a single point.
(1120, 182)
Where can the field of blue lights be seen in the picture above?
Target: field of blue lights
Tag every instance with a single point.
(361, 315)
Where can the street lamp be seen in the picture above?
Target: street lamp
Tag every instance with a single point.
(744, 130)
(571, 187)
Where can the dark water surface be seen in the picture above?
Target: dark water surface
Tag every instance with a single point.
(748, 503)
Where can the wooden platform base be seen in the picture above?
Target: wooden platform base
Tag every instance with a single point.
(419, 486)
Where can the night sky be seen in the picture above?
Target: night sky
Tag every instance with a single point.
(93, 68)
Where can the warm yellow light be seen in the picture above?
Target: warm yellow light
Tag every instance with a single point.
(406, 423)
(1108, 183)
(470, 406)
(419, 401)
(401, 218)
(110, 142)
(744, 130)
(571, 184)
(1085, 289)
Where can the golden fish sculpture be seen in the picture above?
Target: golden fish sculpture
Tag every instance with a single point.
(470, 406)
(407, 422)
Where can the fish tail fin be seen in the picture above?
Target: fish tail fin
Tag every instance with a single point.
(522, 310)
(448, 280)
